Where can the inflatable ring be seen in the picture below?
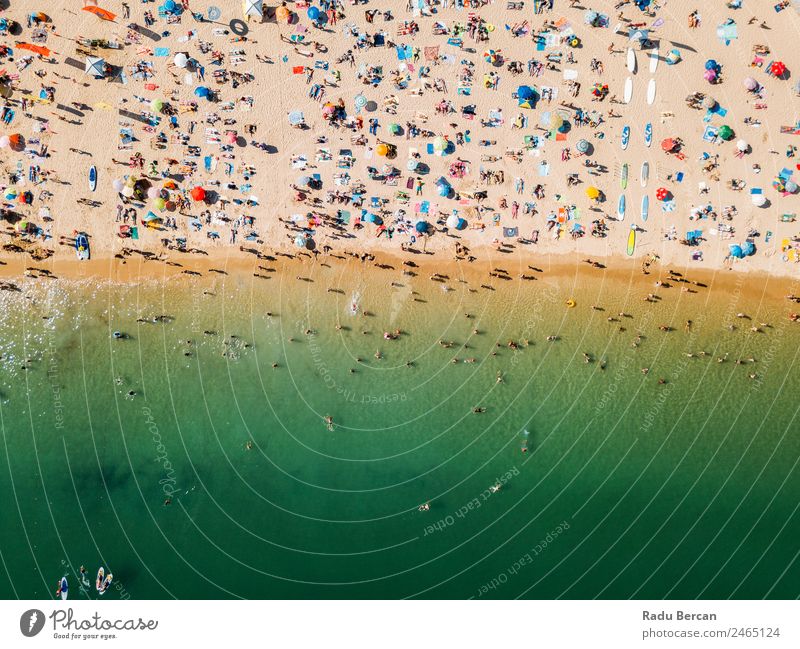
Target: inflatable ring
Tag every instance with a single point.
(571, 303)
(413, 239)
(574, 42)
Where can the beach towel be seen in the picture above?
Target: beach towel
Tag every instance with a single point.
(161, 51)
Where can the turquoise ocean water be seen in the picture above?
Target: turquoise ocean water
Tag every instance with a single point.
(628, 488)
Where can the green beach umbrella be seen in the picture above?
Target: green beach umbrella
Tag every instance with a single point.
(725, 132)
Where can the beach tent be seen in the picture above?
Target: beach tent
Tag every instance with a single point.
(100, 12)
(253, 9)
(95, 67)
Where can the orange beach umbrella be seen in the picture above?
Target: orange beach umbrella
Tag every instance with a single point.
(38, 49)
(99, 11)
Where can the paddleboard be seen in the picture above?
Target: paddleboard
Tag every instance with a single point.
(648, 134)
(621, 208)
(101, 573)
(628, 92)
(631, 240)
(63, 588)
(92, 178)
(645, 207)
(626, 137)
(623, 180)
(653, 60)
(643, 177)
(631, 61)
(651, 91)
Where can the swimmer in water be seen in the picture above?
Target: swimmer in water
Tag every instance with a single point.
(424, 507)
(329, 422)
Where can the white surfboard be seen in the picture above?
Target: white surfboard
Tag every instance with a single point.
(628, 92)
(651, 91)
(653, 60)
(645, 174)
(631, 61)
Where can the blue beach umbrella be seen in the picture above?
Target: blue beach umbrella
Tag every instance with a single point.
(748, 248)
(169, 5)
(711, 64)
(313, 13)
(422, 227)
(202, 91)
(736, 251)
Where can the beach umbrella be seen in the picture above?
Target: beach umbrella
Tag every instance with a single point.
(736, 251)
(725, 132)
(526, 97)
(668, 145)
(709, 102)
(710, 75)
(282, 14)
(662, 193)
(95, 67)
(452, 220)
(127, 191)
(117, 184)
(15, 140)
(411, 164)
(590, 16)
(296, 118)
(711, 64)
(198, 194)
(22, 226)
(180, 60)
(360, 101)
(313, 13)
(300, 241)
(169, 5)
(779, 184)
(439, 143)
(100, 12)
(152, 192)
(37, 49)
(790, 187)
(328, 110)
(748, 248)
(156, 105)
(4, 141)
(230, 136)
(582, 146)
(750, 83)
(422, 227)
(593, 193)
(777, 68)
(159, 203)
(394, 129)
(759, 200)
(382, 149)
(443, 189)
(11, 194)
(253, 8)
(742, 146)
(304, 181)
(202, 92)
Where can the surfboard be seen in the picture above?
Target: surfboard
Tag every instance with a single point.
(631, 240)
(623, 180)
(621, 208)
(643, 177)
(645, 207)
(631, 61)
(101, 573)
(92, 178)
(626, 137)
(653, 60)
(648, 134)
(651, 92)
(628, 92)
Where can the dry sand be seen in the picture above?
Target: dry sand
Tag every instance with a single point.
(276, 91)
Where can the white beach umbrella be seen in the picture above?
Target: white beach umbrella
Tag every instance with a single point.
(742, 146)
(253, 8)
(95, 66)
(181, 60)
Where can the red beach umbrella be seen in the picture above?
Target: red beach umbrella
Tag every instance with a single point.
(778, 68)
(668, 145)
(198, 194)
(662, 193)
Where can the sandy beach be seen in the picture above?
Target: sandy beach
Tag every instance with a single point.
(489, 175)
